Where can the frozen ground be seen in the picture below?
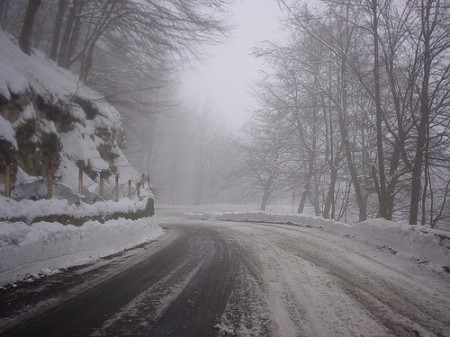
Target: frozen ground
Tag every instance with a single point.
(312, 283)
(427, 245)
(45, 247)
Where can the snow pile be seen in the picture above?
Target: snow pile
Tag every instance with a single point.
(296, 219)
(421, 243)
(7, 132)
(26, 249)
(30, 209)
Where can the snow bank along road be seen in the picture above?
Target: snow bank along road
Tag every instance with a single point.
(235, 279)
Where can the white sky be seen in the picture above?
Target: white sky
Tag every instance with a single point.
(223, 80)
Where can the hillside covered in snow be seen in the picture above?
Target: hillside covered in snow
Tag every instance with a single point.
(49, 119)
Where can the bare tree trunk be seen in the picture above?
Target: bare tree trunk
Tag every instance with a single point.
(307, 187)
(99, 29)
(342, 117)
(316, 196)
(266, 193)
(75, 35)
(86, 63)
(329, 210)
(381, 190)
(62, 5)
(329, 201)
(63, 57)
(360, 200)
(416, 179)
(3, 11)
(301, 205)
(27, 26)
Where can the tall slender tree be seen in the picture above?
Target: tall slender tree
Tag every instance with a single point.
(25, 38)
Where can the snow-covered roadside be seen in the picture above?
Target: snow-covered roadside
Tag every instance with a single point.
(30, 209)
(45, 246)
(270, 217)
(417, 242)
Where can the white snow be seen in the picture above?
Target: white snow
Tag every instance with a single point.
(48, 127)
(421, 242)
(78, 145)
(30, 209)
(68, 170)
(331, 279)
(21, 74)
(7, 132)
(26, 250)
(27, 114)
(418, 242)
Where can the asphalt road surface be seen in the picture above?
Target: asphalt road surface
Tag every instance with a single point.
(235, 279)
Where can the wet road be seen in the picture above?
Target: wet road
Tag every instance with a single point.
(232, 279)
(196, 261)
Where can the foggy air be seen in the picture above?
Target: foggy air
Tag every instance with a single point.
(224, 168)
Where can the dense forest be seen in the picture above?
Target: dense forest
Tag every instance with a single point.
(355, 111)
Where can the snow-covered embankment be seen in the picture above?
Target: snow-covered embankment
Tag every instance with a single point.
(45, 246)
(421, 243)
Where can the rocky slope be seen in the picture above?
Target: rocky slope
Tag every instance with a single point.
(49, 119)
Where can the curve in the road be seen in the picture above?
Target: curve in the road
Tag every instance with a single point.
(194, 313)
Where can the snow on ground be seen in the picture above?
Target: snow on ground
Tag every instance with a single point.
(316, 283)
(46, 246)
(419, 242)
(30, 209)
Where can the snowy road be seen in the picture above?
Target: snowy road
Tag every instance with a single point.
(225, 278)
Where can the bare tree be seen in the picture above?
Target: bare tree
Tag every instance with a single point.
(433, 42)
(25, 37)
(262, 157)
(62, 5)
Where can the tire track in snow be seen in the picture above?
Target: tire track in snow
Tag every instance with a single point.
(200, 306)
(145, 309)
(247, 311)
(82, 314)
(395, 302)
(302, 300)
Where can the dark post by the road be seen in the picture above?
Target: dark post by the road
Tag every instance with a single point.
(80, 180)
(129, 188)
(102, 184)
(8, 180)
(293, 202)
(50, 181)
(142, 180)
(150, 207)
(116, 189)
